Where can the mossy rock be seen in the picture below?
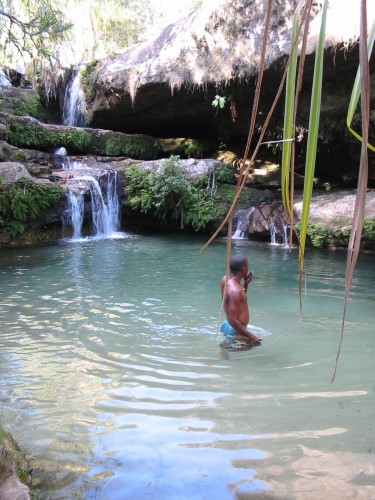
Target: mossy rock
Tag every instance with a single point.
(30, 133)
(15, 473)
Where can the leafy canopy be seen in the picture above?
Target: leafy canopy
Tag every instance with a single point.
(32, 28)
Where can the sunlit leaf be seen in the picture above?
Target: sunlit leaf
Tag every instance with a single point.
(357, 89)
(312, 137)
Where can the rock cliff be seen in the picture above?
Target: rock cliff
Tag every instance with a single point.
(168, 87)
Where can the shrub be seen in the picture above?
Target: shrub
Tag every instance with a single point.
(21, 202)
(321, 237)
(169, 194)
(28, 106)
(369, 229)
(193, 149)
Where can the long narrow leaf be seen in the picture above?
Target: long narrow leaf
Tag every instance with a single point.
(312, 138)
(360, 203)
(357, 89)
(288, 129)
(306, 22)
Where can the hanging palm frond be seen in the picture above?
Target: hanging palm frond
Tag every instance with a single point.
(357, 89)
(360, 203)
(312, 139)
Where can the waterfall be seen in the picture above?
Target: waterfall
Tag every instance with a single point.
(74, 213)
(4, 80)
(242, 228)
(278, 238)
(74, 102)
(238, 234)
(105, 205)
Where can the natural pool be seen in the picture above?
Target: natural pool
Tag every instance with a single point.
(113, 382)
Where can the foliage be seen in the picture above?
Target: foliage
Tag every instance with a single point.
(21, 202)
(312, 137)
(33, 136)
(88, 73)
(321, 237)
(219, 102)
(28, 106)
(142, 147)
(20, 156)
(225, 174)
(169, 194)
(248, 196)
(31, 27)
(193, 148)
(369, 229)
(203, 209)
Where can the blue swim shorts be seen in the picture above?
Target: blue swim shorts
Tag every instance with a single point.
(227, 329)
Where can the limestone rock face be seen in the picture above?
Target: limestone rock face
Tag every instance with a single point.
(168, 87)
(335, 210)
(329, 210)
(11, 172)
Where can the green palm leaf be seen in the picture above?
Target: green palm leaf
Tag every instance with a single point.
(312, 138)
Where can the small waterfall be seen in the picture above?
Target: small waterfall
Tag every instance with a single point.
(243, 224)
(74, 213)
(60, 151)
(238, 234)
(4, 80)
(105, 205)
(74, 102)
(278, 238)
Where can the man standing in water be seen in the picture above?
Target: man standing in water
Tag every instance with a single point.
(235, 301)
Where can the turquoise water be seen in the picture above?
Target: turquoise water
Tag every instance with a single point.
(113, 381)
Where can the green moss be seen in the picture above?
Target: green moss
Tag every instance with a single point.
(141, 147)
(88, 74)
(20, 156)
(37, 137)
(11, 458)
(248, 196)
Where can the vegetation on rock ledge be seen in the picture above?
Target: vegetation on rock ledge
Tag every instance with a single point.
(22, 202)
(170, 195)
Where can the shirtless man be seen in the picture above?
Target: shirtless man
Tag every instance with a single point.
(235, 301)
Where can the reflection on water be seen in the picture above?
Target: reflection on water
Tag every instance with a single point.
(113, 381)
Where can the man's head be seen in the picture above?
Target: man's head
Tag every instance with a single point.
(238, 263)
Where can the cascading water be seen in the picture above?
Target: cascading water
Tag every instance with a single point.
(101, 191)
(74, 213)
(4, 80)
(278, 238)
(105, 205)
(259, 220)
(74, 102)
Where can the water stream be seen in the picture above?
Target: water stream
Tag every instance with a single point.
(113, 381)
(102, 190)
(74, 102)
